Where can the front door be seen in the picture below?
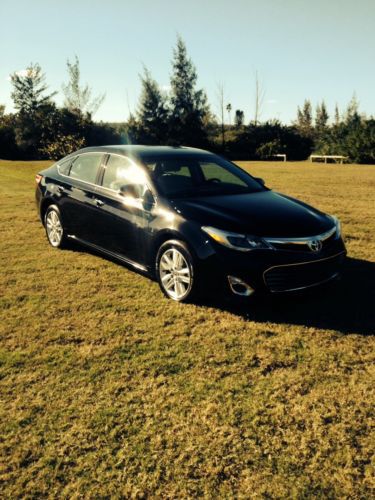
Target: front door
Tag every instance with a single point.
(120, 217)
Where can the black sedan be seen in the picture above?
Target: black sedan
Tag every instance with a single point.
(189, 218)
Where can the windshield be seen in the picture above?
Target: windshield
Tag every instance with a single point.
(192, 176)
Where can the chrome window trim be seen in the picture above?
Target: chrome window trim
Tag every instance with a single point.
(76, 178)
(104, 167)
(301, 241)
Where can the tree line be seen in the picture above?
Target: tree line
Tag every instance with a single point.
(182, 116)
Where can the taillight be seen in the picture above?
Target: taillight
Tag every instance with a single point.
(38, 178)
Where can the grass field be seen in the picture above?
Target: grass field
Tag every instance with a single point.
(107, 389)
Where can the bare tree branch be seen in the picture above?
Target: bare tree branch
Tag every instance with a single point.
(78, 98)
(259, 98)
(220, 100)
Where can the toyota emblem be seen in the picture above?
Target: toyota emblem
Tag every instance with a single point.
(315, 245)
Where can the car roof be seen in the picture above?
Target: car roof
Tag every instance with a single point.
(142, 151)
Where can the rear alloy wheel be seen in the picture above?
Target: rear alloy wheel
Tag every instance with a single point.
(175, 271)
(54, 227)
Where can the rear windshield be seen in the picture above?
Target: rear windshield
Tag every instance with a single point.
(192, 176)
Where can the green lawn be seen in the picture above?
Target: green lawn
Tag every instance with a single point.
(109, 389)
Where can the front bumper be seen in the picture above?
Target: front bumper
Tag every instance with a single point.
(298, 276)
(277, 271)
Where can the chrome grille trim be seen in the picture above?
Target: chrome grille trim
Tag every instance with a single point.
(334, 276)
(301, 241)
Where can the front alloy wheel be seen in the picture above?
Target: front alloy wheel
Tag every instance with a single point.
(175, 271)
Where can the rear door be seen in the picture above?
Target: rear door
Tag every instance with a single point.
(78, 201)
(121, 219)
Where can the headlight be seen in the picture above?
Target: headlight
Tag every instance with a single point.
(236, 241)
(338, 225)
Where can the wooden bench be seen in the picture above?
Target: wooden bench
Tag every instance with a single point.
(335, 158)
(280, 155)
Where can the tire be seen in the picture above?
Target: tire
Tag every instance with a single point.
(176, 271)
(54, 227)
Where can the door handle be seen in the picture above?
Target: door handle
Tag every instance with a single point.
(60, 189)
(98, 203)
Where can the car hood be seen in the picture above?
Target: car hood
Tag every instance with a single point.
(264, 213)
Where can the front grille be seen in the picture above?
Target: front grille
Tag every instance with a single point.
(294, 276)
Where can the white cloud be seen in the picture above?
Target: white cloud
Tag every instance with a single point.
(166, 88)
(271, 101)
(22, 73)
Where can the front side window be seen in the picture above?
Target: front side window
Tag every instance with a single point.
(121, 172)
(85, 167)
(206, 175)
(215, 173)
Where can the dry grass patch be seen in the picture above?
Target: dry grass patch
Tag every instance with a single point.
(108, 389)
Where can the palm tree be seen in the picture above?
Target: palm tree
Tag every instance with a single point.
(229, 109)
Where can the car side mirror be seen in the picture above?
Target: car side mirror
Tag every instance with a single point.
(260, 180)
(129, 190)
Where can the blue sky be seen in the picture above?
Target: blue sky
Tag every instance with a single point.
(317, 49)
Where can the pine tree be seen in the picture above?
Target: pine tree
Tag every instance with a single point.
(304, 119)
(189, 108)
(321, 117)
(352, 110)
(79, 99)
(35, 109)
(322, 131)
(29, 90)
(153, 111)
(337, 115)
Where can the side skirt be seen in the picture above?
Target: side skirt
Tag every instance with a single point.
(114, 255)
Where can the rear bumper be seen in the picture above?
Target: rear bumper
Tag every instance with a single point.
(38, 201)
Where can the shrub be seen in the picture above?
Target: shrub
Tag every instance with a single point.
(62, 146)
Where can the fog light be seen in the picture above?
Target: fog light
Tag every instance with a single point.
(239, 287)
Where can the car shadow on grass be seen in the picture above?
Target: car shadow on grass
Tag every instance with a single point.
(346, 305)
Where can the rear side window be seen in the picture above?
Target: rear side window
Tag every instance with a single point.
(64, 166)
(85, 167)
